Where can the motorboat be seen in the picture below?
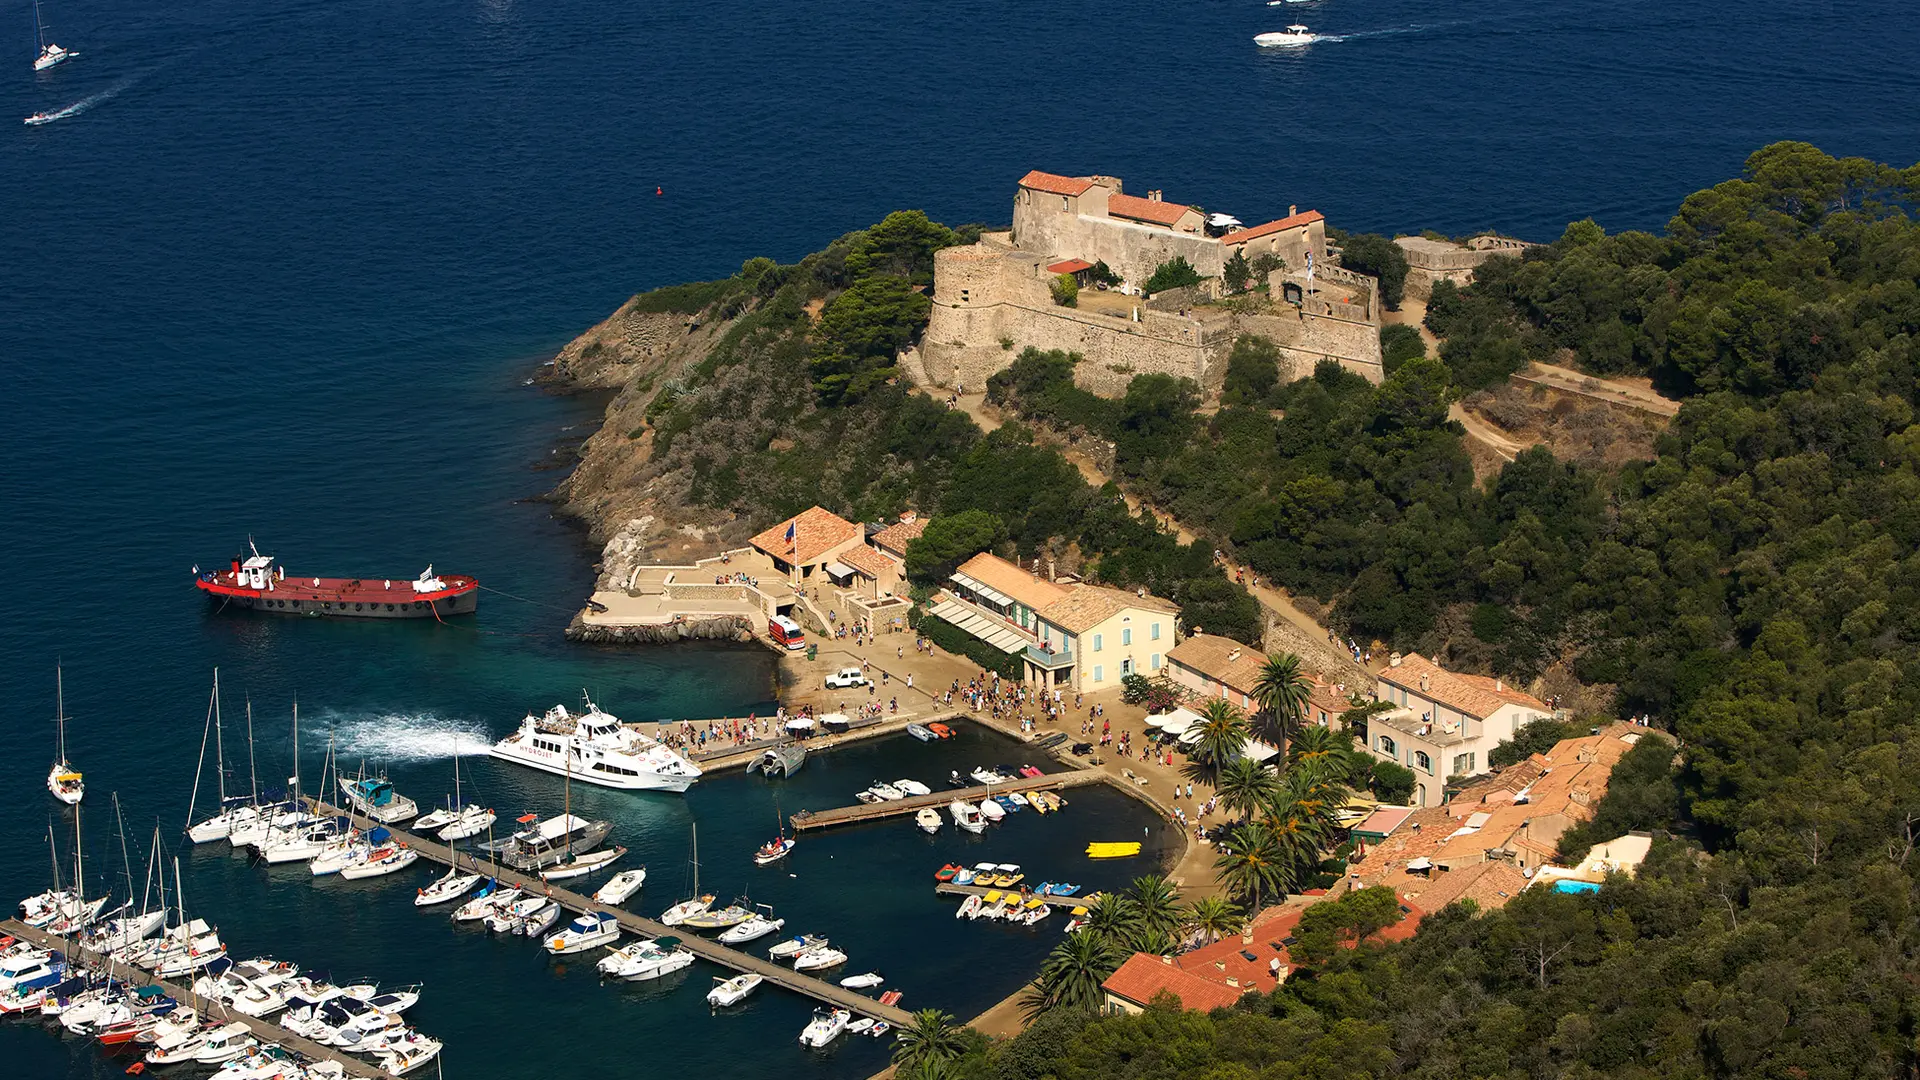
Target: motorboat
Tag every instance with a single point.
(541, 844)
(773, 850)
(268, 1062)
(509, 917)
(541, 920)
(224, 1044)
(374, 796)
(486, 904)
(356, 1024)
(581, 865)
(782, 761)
(912, 787)
(596, 748)
(967, 816)
(63, 780)
(685, 910)
(928, 819)
(449, 886)
(733, 991)
(732, 915)
(173, 1028)
(985, 776)
(1036, 910)
(648, 958)
(826, 1026)
(1295, 36)
(1018, 799)
(407, 1053)
(183, 1046)
(862, 982)
(887, 792)
(754, 928)
(1006, 803)
(860, 1026)
(992, 810)
(621, 886)
(796, 945)
(880, 1027)
(995, 907)
(395, 1001)
(583, 933)
(921, 732)
(819, 959)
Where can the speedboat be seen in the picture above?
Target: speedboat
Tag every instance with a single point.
(967, 816)
(451, 885)
(782, 761)
(969, 908)
(818, 959)
(753, 929)
(183, 1046)
(826, 1026)
(224, 1044)
(733, 991)
(621, 886)
(1295, 35)
(581, 865)
(992, 810)
(486, 904)
(583, 933)
(374, 796)
(684, 910)
(887, 791)
(880, 1027)
(407, 1053)
(921, 732)
(542, 844)
(912, 787)
(732, 915)
(596, 748)
(796, 945)
(984, 776)
(928, 819)
(862, 982)
(773, 850)
(646, 959)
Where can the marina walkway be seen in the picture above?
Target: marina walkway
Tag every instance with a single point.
(265, 1030)
(851, 815)
(704, 948)
(948, 888)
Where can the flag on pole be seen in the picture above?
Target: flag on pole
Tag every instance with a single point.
(793, 543)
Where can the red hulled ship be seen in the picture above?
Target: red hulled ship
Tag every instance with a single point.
(258, 583)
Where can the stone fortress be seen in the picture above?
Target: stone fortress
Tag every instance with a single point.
(993, 298)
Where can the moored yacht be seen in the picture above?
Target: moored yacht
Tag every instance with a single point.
(596, 748)
(540, 844)
(646, 959)
(374, 796)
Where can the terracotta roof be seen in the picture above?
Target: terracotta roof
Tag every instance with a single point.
(1002, 576)
(1325, 697)
(1474, 695)
(897, 536)
(1071, 266)
(869, 561)
(1285, 223)
(1087, 606)
(1489, 884)
(1058, 185)
(1144, 976)
(1152, 211)
(816, 531)
(1498, 788)
(1221, 659)
(1226, 959)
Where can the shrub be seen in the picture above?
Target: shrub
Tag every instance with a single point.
(1535, 738)
(1371, 253)
(958, 641)
(689, 299)
(1237, 272)
(1391, 783)
(1066, 291)
(1399, 343)
(1175, 273)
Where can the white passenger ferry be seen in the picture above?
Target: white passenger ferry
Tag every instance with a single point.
(593, 747)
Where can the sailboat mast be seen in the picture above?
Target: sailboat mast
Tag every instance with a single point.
(193, 797)
(79, 873)
(53, 854)
(126, 860)
(60, 703)
(253, 769)
(219, 743)
(146, 889)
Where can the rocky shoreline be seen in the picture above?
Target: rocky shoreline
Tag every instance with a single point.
(717, 628)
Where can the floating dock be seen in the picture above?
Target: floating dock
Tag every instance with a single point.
(267, 1031)
(706, 949)
(859, 812)
(948, 888)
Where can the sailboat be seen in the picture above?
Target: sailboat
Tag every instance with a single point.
(63, 780)
(569, 864)
(777, 848)
(126, 925)
(232, 811)
(696, 903)
(457, 820)
(50, 54)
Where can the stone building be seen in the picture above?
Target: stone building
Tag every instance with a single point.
(1430, 260)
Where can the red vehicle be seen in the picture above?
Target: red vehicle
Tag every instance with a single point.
(786, 633)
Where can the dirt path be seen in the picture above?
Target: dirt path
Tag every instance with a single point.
(1493, 438)
(1632, 393)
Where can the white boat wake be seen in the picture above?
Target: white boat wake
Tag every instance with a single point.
(80, 106)
(402, 737)
(1394, 31)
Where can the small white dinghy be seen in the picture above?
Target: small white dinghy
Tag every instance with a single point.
(862, 982)
(621, 886)
(733, 991)
(928, 819)
(860, 1026)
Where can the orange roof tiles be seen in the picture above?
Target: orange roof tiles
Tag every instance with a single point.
(1055, 184)
(1489, 884)
(816, 531)
(897, 536)
(1220, 659)
(1474, 695)
(1258, 231)
(1143, 976)
(1070, 266)
(1087, 606)
(1002, 576)
(1152, 211)
(868, 561)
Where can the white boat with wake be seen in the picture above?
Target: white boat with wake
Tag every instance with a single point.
(598, 749)
(1294, 36)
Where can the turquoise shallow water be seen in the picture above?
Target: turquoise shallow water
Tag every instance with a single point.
(285, 272)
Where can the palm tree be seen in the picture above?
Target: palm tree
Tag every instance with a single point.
(1282, 691)
(1223, 733)
(1213, 917)
(1256, 865)
(1157, 905)
(1071, 975)
(1114, 919)
(1324, 748)
(931, 1037)
(1244, 785)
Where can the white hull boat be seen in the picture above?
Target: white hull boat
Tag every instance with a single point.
(733, 991)
(826, 1026)
(819, 959)
(912, 787)
(1294, 37)
(581, 865)
(793, 947)
(448, 887)
(379, 865)
(481, 907)
(584, 933)
(472, 822)
(967, 816)
(928, 819)
(542, 920)
(991, 810)
(596, 748)
(685, 909)
(867, 981)
(752, 930)
(644, 960)
(408, 1053)
(621, 886)
(374, 796)
(969, 909)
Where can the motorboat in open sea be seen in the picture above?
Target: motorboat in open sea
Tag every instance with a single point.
(1294, 36)
(596, 748)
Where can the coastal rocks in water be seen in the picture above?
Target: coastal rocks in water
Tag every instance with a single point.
(625, 553)
(712, 628)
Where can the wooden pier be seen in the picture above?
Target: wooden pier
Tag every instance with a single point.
(859, 812)
(704, 948)
(948, 888)
(266, 1031)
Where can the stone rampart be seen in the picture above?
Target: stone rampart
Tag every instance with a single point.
(962, 346)
(1130, 250)
(1304, 342)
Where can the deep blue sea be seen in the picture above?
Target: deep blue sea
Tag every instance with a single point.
(283, 269)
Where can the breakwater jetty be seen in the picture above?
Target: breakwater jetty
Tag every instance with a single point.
(266, 1031)
(711, 951)
(853, 815)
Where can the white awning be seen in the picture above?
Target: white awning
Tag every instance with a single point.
(1258, 750)
(992, 631)
(799, 723)
(1192, 736)
(1421, 863)
(839, 570)
(984, 590)
(1180, 720)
